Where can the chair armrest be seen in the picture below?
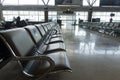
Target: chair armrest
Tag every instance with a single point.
(39, 57)
(55, 31)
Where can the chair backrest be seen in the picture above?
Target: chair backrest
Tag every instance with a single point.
(34, 33)
(22, 45)
(49, 26)
(41, 30)
(99, 24)
(111, 24)
(19, 41)
(37, 38)
(103, 23)
(106, 24)
(117, 25)
(45, 35)
(44, 25)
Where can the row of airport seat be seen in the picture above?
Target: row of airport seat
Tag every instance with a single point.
(39, 49)
(108, 28)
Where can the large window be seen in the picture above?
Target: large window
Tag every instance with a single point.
(97, 3)
(27, 2)
(30, 15)
(10, 2)
(52, 15)
(81, 16)
(105, 16)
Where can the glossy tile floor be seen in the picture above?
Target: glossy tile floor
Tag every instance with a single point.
(92, 56)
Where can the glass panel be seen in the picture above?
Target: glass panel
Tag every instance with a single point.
(97, 3)
(81, 16)
(41, 18)
(108, 13)
(41, 13)
(10, 2)
(15, 12)
(8, 17)
(51, 2)
(27, 2)
(31, 15)
(105, 16)
(52, 13)
(40, 2)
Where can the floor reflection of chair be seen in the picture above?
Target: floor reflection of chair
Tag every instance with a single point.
(107, 48)
(86, 48)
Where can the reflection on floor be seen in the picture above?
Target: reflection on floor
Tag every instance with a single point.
(92, 57)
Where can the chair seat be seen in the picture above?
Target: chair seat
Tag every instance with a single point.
(56, 35)
(39, 67)
(55, 47)
(61, 61)
(55, 40)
